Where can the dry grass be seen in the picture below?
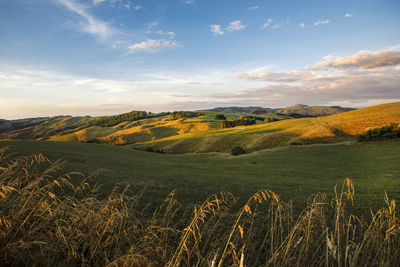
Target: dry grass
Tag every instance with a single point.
(45, 219)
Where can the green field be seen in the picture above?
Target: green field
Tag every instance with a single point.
(294, 172)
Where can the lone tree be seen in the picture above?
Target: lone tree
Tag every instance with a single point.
(220, 117)
(238, 150)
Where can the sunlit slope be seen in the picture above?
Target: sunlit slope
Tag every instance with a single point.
(133, 132)
(357, 121)
(202, 134)
(41, 129)
(328, 129)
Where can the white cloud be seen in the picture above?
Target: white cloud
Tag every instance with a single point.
(151, 25)
(126, 3)
(320, 22)
(188, 1)
(363, 77)
(267, 23)
(302, 25)
(171, 35)
(216, 29)
(154, 45)
(235, 26)
(253, 7)
(152, 28)
(348, 15)
(96, 2)
(88, 24)
(362, 59)
(276, 26)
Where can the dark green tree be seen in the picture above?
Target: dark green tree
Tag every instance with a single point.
(220, 117)
(238, 150)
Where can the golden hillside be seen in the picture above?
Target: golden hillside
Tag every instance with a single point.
(202, 134)
(328, 129)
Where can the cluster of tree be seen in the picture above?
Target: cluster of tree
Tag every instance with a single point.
(140, 115)
(150, 149)
(220, 117)
(243, 121)
(388, 132)
(116, 119)
(260, 112)
(184, 114)
(298, 115)
(268, 120)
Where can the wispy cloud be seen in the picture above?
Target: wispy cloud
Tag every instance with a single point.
(235, 26)
(348, 15)
(320, 22)
(267, 23)
(96, 2)
(216, 29)
(302, 25)
(253, 8)
(152, 28)
(125, 3)
(88, 23)
(154, 45)
(189, 2)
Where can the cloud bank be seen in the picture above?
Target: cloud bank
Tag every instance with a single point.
(361, 77)
(363, 59)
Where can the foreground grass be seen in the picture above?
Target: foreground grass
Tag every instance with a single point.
(294, 172)
(47, 219)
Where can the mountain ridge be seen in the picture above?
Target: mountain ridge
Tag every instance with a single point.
(301, 109)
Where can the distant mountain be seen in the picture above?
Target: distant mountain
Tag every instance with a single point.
(238, 109)
(313, 111)
(296, 110)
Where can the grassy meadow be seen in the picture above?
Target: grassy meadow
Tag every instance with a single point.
(278, 214)
(294, 172)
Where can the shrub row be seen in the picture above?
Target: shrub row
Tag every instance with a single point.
(388, 132)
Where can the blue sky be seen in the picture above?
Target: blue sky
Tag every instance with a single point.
(102, 57)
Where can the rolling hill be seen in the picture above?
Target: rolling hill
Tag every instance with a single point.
(238, 109)
(299, 109)
(328, 129)
(202, 133)
(313, 111)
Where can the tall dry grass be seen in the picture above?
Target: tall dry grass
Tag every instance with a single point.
(47, 219)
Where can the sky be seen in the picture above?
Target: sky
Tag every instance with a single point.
(103, 57)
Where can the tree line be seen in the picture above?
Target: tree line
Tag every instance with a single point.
(243, 121)
(140, 115)
(388, 132)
